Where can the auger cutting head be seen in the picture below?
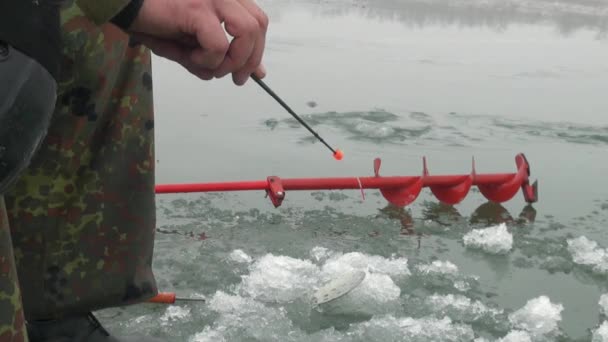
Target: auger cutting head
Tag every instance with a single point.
(452, 189)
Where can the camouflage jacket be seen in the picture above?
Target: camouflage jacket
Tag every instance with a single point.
(77, 229)
(100, 12)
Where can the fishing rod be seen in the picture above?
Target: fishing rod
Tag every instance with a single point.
(338, 154)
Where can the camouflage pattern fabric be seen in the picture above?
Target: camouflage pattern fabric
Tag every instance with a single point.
(100, 12)
(82, 216)
(12, 322)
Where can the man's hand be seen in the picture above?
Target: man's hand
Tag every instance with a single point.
(190, 32)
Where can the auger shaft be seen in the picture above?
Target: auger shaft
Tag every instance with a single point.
(340, 183)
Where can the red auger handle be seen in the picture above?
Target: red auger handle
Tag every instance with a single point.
(163, 298)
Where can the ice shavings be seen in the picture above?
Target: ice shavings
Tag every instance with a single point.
(396, 267)
(320, 254)
(244, 318)
(539, 317)
(377, 294)
(239, 256)
(587, 252)
(174, 313)
(283, 279)
(438, 266)
(252, 313)
(461, 307)
(443, 275)
(512, 336)
(601, 333)
(280, 278)
(494, 240)
(461, 286)
(516, 336)
(604, 304)
(381, 286)
(389, 328)
(208, 335)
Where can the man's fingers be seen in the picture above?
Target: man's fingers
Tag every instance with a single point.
(206, 58)
(254, 61)
(258, 14)
(201, 73)
(238, 20)
(191, 33)
(240, 76)
(260, 72)
(245, 29)
(238, 54)
(212, 40)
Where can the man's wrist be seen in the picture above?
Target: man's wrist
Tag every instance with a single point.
(127, 15)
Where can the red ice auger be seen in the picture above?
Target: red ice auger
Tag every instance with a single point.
(398, 190)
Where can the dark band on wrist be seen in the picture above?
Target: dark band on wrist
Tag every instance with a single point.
(125, 17)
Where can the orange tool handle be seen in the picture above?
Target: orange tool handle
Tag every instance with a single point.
(163, 298)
